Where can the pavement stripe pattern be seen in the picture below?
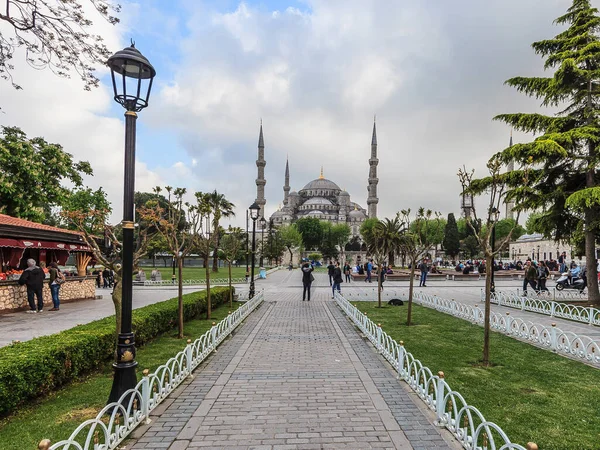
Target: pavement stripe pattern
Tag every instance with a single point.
(297, 375)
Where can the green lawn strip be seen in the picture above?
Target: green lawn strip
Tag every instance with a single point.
(199, 273)
(532, 394)
(57, 415)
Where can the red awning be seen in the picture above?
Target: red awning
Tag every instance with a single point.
(47, 245)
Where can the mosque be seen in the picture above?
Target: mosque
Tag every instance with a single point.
(320, 198)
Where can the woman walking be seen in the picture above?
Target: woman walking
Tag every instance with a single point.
(542, 274)
(55, 280)
(347, 270)
(307, 279)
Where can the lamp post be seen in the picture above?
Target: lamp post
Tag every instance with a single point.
(263, 225)
(271, 240)
(495, 214)
(132, 91)
(538, 253)
(254, 210)
(247, 249)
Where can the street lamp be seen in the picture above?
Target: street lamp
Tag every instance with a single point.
(495, 214)
(247, 247)
(135, 75)
(263, 225)
(538, 253)
(271, 240)
(254, 210)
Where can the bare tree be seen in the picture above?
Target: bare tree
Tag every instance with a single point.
(494, 186)
(55, 35)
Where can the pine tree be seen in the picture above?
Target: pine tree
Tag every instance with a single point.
(561, 163)
(451, 241)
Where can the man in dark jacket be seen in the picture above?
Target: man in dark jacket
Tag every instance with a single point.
(337, 279)
(307, 280)
(34, 278)
(330, 272)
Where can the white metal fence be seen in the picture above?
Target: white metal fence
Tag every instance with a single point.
(537, 304)
(202, 281)
(117, 420)
(464, 421)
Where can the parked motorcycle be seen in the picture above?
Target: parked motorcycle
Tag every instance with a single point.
(576, 283)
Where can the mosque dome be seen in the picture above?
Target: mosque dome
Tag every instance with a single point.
(357, 214)
(321, 183)
(317, 201)
(315, 212)
(294, 194)
(344, 193)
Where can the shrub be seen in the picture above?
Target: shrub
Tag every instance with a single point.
(34, 368)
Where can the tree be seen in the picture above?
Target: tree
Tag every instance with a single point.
(291, 239)
(86, 200)
(470, 246)
(274, 247)
(179, 242)
(220, 207)
(315, 256)
(531, 224)
(55, 35)
(327, 246)
(340, 233)
(506, 226)
(384, 241)
(563, 160)
(416, 242)
(451, 240)
(94, 223)
(367, 228)
(312, 232)
(494, 186)
(31, 173)
(231, 244)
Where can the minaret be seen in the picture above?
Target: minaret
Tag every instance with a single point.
(286, 186)
(372, 200)
(260, 180)
(509, 168)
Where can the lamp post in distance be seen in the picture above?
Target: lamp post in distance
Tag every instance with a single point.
(254, 210)
(132, 91)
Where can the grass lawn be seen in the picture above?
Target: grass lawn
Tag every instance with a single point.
(532, 394)
(57, 415)
(199, 273)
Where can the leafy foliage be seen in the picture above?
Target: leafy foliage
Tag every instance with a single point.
(451, 242)
(34, 368)
(31, 173)
(291, 239)
(311, 230)
(55, 35)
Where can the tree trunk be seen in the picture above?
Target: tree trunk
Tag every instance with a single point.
(215, 265)
(180, 297)
(208, 305)
(410, 293)
(590, 217)
(117, 298)
(486, 319)
(230, 292)
(291, 256)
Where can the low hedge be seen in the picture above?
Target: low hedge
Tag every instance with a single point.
(34, 368)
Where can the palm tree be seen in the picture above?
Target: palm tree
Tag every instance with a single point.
(384, 241)
(220, 207)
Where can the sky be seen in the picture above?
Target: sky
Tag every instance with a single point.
(316, 72)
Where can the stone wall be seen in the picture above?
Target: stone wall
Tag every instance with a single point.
(14, 297)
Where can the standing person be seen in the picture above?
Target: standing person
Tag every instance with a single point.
(106, 277)
(34, 278)
(337, 279)
(562, 261)
(381, 275)
(56, 279)
(330, 272)
(307, 279)
(347, 270)
(530, 277)
(542, 274)
(424, 269)
(369, 268)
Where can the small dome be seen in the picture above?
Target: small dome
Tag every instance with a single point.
(294, 193)
(344, 193)
(277, 213)
(357, 214)
(317, 201)
(315, 212)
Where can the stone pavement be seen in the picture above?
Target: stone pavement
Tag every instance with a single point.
(296, 375)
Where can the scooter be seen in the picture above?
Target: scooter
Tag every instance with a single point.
(563, 283)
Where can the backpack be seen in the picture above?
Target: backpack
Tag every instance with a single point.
(60, 278)
(542, 274)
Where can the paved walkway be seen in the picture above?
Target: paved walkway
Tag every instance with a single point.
(296, 375)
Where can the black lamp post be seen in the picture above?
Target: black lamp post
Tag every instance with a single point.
(263, 225)
(271, 240)
(254, 210)
(495, 214)
(247, 247)
(538, 254)
(132, 91)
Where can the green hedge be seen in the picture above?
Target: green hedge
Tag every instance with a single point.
(34, 368)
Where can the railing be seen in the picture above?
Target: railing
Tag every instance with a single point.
(565, 343)
(117, 420)
(464, 421)
(202, 281)
(538, 305)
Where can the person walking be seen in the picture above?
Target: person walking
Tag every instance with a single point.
(542, 275)
(33, 277)
(330, 272)
(369, 269)
(347, 270)
(424, 269)
(337, 280)
(530, 277)
(56, 279)
(105, 277)
(381, 275)
(307, 279)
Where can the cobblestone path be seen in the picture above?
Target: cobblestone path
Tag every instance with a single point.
(296, 375)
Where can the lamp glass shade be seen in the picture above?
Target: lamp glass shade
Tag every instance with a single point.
(254, 210)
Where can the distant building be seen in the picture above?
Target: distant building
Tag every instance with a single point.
(536, 247)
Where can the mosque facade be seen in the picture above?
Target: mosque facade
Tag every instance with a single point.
(320, 198)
